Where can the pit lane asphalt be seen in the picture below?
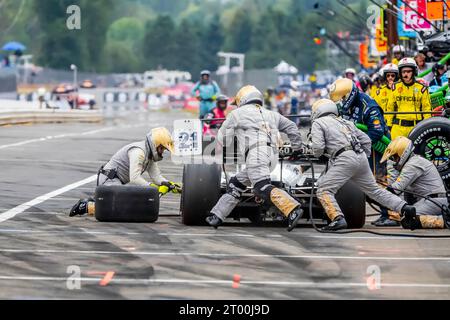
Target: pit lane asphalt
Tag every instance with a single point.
(41, 249)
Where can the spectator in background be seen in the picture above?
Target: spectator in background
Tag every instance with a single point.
(6, 62)
(439, 71)
(269, 99)
(398, 53)
(350, 73)
(422, 66)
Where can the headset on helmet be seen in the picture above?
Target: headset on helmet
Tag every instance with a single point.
(343, 92)
(399, 151)
(323, 107)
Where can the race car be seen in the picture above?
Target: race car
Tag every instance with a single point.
(204, 184)
(431, 138)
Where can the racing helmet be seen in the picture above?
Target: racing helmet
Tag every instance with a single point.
(390, 68)
(205, 73)
(350, 70)
(343, 92)
(159, 137)
(222, 102)
(365, 81)
(436, 68)
(323, 107)
(399, 151)
(247, 95)
(408, 63)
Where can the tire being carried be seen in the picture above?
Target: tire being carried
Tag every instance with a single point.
(201, 191)
(431, 138)
(352, 202)
(126, 204)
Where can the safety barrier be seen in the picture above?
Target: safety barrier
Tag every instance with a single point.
(48, 116)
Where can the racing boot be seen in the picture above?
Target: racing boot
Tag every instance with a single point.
(81, 207)
(409, 212)
(380, 218)
(409, 218)
(293, 218)
(214, 221)
(337, 224)
(386, 222)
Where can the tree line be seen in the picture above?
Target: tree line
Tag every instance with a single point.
(134, 36)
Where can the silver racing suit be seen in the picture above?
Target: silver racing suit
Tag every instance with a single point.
(348, 149)
(257, 130)
(421, 177)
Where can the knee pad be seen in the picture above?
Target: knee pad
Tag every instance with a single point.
(236, 188)
(263, 190)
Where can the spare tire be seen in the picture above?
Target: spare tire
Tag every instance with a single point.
(352, 202)
(201, 191)
(431, 138)
(126, 204)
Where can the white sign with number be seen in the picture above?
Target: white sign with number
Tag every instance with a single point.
(188, 137)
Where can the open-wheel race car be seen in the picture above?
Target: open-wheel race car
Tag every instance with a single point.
(431, 138)
(204, 184)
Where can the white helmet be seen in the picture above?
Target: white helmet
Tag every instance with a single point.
(408, 63)
(390, 68)
(350, 70)
(322, 108)
(398, 49)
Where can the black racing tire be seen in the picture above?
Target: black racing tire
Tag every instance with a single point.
(201, 191)
(431, 138)
(352, 202)
(126, 204)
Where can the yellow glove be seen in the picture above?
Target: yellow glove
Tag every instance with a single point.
(173, 186)
(161, 189)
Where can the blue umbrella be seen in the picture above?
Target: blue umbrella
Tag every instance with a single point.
(14, 46)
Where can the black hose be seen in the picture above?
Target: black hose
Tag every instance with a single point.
(360, 230)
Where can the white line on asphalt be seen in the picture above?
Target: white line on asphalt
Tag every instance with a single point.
(67, 135)
(200, 235)
(62, 162)
(225, 255)
(21, 143)
(25, 206)
(229, 282)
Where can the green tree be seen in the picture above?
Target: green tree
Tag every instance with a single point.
(240, 32)
(212, 42)
(121, 58)
(187, 47)
(159, 43)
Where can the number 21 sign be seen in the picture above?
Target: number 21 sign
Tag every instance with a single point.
(187, 137)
